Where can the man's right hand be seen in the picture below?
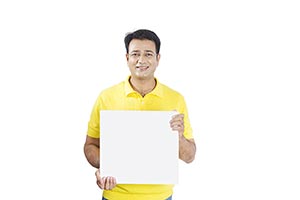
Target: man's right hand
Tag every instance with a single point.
(105, 183)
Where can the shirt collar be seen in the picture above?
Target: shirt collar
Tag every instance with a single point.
(158, 90)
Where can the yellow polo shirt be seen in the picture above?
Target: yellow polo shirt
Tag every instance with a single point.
(123, 97)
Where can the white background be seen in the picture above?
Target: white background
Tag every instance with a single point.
(236, 63)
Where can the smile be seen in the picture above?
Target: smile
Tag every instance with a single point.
(142, 68)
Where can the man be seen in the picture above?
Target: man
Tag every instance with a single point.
(140, 91)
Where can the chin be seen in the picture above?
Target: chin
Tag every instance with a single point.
(142, 76)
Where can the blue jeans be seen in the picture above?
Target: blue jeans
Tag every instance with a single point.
(170, 198)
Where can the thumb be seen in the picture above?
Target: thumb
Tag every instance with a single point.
(97, 174)
(100, 181)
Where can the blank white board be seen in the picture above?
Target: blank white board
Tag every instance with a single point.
(138, 147)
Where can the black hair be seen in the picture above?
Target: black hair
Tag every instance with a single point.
(142, 34)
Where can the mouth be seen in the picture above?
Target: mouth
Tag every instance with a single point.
(142, 68)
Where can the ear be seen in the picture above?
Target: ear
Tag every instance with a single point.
(127, 56)
(158, 57)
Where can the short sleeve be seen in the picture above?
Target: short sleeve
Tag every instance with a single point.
(94, 123)
(188, 132)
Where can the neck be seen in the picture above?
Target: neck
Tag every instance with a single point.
(143, 86)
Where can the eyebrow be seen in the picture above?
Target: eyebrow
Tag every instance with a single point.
(150, 51)
(138, 51)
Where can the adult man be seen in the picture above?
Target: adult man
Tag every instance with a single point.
(140, 91)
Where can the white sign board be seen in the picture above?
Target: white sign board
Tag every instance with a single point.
(138, 147)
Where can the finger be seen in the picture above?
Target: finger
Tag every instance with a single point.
(97, 174)
(114, 182)
(99, 185)
(178, 116)
(178, 128)
(99, 179)
(177, 124)
(108, 183)
(102, 182)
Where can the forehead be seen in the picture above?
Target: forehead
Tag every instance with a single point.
(141, 45)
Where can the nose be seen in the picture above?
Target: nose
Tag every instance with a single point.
(142, 59)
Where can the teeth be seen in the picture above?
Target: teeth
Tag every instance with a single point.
(142, 67)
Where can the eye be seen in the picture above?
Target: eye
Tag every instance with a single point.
(134, 55)
(149, 55)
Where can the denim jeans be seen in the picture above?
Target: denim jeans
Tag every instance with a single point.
(170, 198)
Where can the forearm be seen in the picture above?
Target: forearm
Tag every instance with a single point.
(91, 152)
(187, 149)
